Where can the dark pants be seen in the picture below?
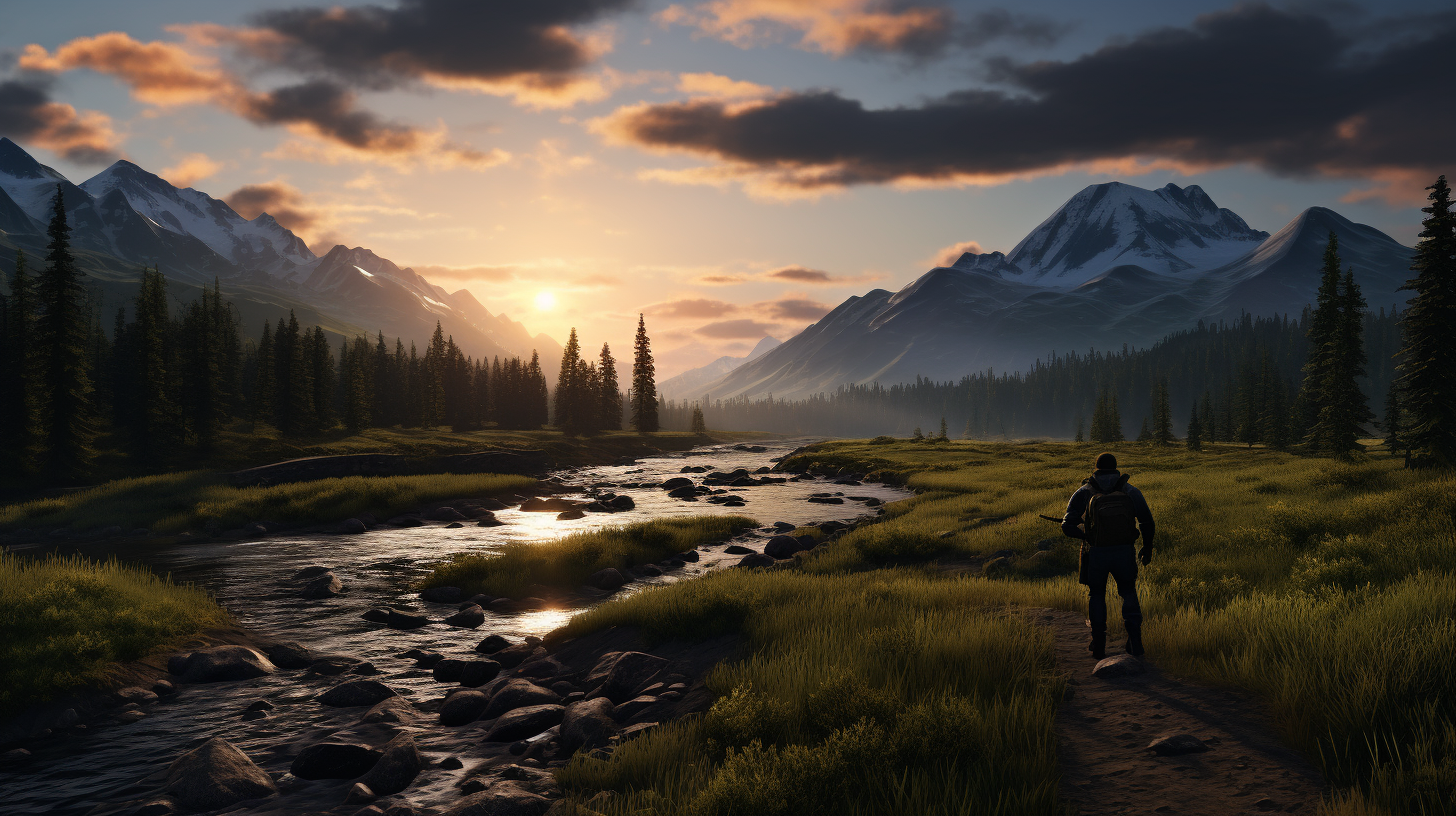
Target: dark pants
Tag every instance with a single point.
(1121, 564)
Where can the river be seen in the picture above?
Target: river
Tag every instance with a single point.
(73, 772)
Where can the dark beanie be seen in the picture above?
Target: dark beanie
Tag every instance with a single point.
(1107, 462)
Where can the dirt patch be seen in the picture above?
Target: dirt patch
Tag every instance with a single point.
(1105, 725)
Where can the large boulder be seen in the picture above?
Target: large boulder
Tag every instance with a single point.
(356, 693)
(608, 579)
(629, 673)
(468, 618)
(395, 710)
(502, 798)
(219, 663)
(397, 768)
(755, 560)
(516, 654)
(524, 722)
(289, 655)
(448, 670)
(333, 760)
(216, 775)
(404, 620)
(551, 505)
(327, 585)
(477, 673)
(518, 693)
(676, 482)
(492, 644)
(442, 594)
(463, 707)
(445, 514)
(782, 546)
(587, 724)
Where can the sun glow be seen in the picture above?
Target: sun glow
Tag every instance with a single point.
(545, 302)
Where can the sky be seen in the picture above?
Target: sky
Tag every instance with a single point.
(729, 168)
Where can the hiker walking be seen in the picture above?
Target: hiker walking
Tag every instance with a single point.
(1114, 514)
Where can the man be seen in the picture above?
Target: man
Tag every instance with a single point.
(1114, 514)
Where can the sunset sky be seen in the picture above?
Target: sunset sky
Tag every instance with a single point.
(731, 167)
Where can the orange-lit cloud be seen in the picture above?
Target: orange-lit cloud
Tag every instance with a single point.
(190, 169)
(736, 329)
(158, 73)
(288, 206)
(717, 86)
(949, 255)
(27, 112)
(800, 274)
(691, 308)
(831, 26)
(1396, 186)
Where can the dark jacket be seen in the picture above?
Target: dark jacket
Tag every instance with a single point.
(1107, 479)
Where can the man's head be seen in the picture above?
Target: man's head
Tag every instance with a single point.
(1106, 461)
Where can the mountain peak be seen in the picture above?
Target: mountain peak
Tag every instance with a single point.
(17, 163)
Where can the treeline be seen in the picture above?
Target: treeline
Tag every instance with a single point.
(588, 397)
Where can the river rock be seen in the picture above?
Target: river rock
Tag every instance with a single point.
(755, 560)
(571, 515)
(448, 670)
(136, 695)
(405, 521)
(521, 723)
(825, 500)
(445, 514)
(352, 526)
(502, 798)
(489, 520)
(309, 572)
(463, 707)
(587, 724)
(442, 594)
(689, 555)
(476, 673)
(216, 775)
(649, 570)
(467, 618)
(633, 707)
(405, 620)
(220, 663)
(542, 668)
(621, 503)
(1177, 745)
(13, 756)
(288, 655)
(494, 504)
(359, 794)
(736, 549)
(518, 693)
(356, 693)
(782, 546)
(333, 760)
(327, 585)
(1122, 665)
(397, 768)
(492, 644)
(676, 483)
(424, 660)
(332, 665)
(629, 673)
(392, 710)
(513, 656)
(376, 615)
(551, 505)
(608, 579)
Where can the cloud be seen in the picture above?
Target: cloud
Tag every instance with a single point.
(722, 280)
(286, 204)
(1282, 90)
(691, 308)
(527, 50)
(736, 329)
(718, 86)
(800, 274)
(27, 113)
(170, 74)
(191, 169)
(949, 255)
(795, 309)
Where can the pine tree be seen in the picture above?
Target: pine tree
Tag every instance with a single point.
(1195, 432)
(568, 387)
(1146, 433)
(68, 417)
(944, 437)
(537, 396)
(1162, 416)
(154, 427)
(1428, 389)
(1392, 425)
(18, 402)
(1080, 430)
(1207, 423)
(1324, 324)
(700, 424)
(610, 412)
(918, 436)
(265, 383)
(644, 384)
(432, 406)
(1344, 408)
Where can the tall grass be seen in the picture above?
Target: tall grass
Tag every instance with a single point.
(893, 691)
(567, 562)
(196, 500)
(65, 622)
(1327, 588)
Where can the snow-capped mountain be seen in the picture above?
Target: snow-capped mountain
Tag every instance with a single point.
(1171, 230)
(261, 244)
(690, 383)
(985, 311)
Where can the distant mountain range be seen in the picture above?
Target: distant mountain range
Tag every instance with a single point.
(1115, 265)
(124, 218)
(690, 383)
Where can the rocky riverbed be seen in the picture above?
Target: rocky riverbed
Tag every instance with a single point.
(349, 692)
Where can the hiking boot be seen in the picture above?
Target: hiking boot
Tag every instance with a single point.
(1098, 645)
(1135, 639)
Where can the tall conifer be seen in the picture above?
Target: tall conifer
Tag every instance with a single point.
(1428, 382)
(610, 413)
(1323, 326)
(68, 417)
(644, 383)
(19, 400)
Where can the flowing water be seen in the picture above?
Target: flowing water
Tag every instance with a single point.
(73, 772)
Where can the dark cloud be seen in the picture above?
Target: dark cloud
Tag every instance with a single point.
(692, 307)
(285, 203)
(1000, 24)
(462, 39)
(330, 109)
(28, 114)
(731, 329)
(795, 309)
(1283, 90)
(801, 275)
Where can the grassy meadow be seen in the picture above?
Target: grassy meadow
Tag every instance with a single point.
(567, 562)
(65, 622)
(198, 500)
(1324, 587)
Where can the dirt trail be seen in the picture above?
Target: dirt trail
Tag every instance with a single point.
(1103, 730)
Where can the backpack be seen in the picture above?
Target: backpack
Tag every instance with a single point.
(1109, 518)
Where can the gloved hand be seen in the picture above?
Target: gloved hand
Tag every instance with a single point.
(1146, 554)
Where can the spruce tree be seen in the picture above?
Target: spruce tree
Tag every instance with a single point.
(944, 437)
(700, 424)
(1344, 409)
(154, 422)
(265, 382)
(1392, 424)
(1162, 417)
(536, 396)
(432, 407)
(1195, 432)
(1427, 384)
(568, 387)
(1323, 326)
(644, 383)
(1080, 430)
(18, 402)
(68, 417)
(321, 373)
(1207, 424)
(610, 412)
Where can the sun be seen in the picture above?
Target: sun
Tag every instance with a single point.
(545, 302)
